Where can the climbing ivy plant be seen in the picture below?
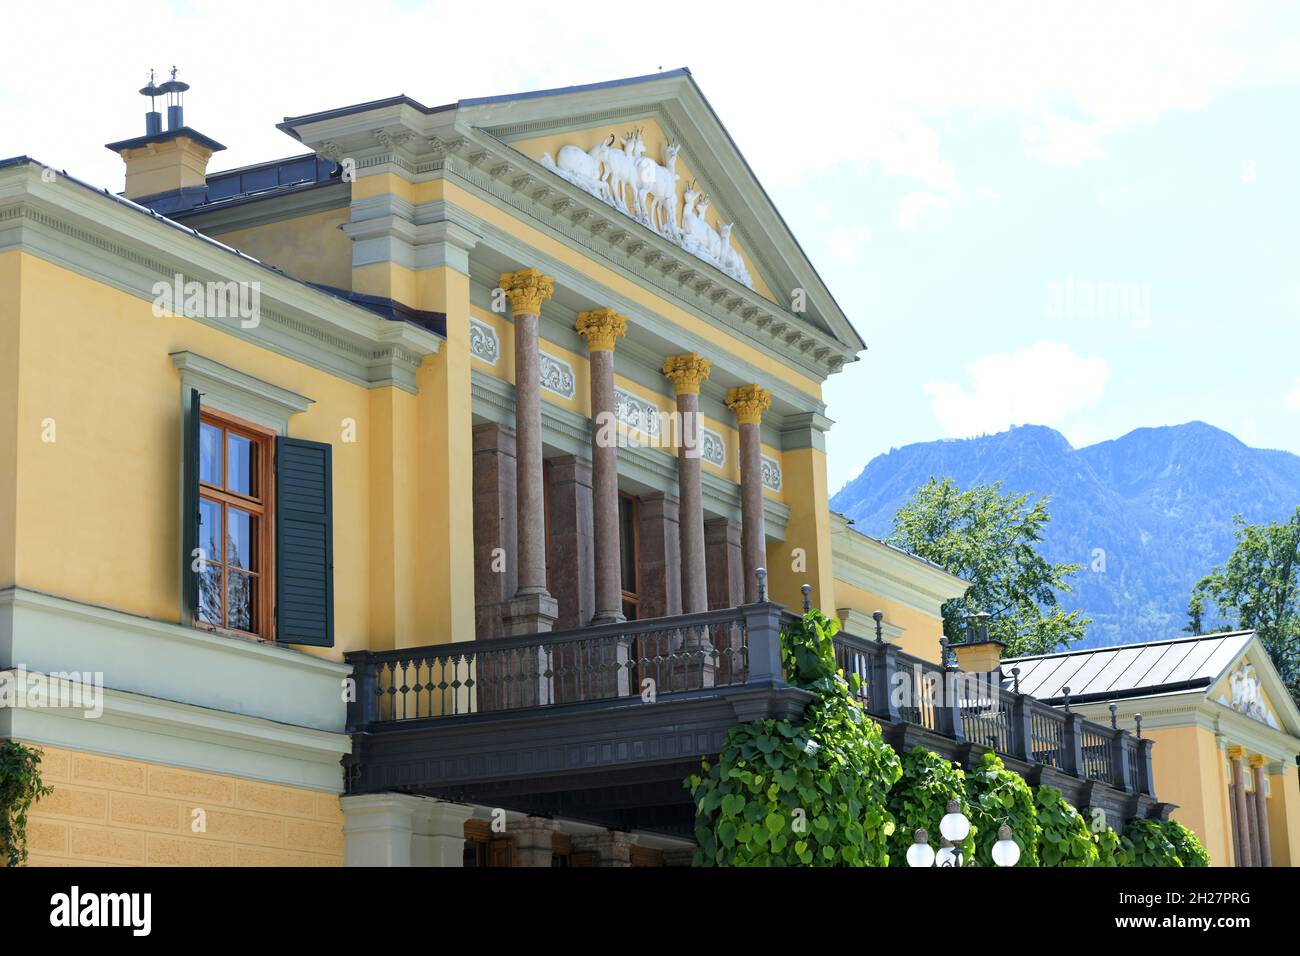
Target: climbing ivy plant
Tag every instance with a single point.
(1066, 840)
(810, 792)
(1145, 844)
(919, 800)
(1187, 845)
(997, 796)
(1109, 851)
(20, 787)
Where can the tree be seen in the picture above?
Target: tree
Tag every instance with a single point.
(991, 540)
(1258, 589)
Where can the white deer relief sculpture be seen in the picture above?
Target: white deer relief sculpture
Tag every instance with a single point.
(657, 196)
(586, 170)
(617, 171)
(621, 168)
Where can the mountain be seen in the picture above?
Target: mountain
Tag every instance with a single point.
(1146, 515)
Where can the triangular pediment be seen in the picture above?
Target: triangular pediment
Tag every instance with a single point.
(611, 140)
(1250, 685)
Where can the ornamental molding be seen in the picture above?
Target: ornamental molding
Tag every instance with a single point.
(637, 413)
(556, 375)
(713, 448)
(771, 472)
(483, 342)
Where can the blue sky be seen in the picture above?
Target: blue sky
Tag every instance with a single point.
(1079, 215)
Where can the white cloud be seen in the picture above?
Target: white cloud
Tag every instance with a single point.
(868, 85)
(1293, 396)
(1042, 385)
(846, 244)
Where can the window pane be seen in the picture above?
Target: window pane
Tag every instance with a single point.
(241, 464)
(241, 540)
(210, 562)
(239, 601)
(209, 454)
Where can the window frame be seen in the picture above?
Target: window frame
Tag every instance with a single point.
(262, 507)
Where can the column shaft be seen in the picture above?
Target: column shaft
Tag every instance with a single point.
(753, 534)
(695, 595)
(528, 430)
(1242, 814)
(604, 484)
(1261, 816)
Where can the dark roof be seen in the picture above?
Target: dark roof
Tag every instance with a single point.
(138, 141)
(404, 100)
(232, 187)
(435, 322)
(1128, 670)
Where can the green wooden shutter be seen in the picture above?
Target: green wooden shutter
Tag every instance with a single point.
(304, 543)
(190, 506)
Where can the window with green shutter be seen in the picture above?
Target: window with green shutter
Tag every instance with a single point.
(304, 542)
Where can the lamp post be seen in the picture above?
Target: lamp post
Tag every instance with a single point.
(955, 827)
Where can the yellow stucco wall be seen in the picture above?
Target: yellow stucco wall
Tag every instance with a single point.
(111, 811)
(921, 632)
(1188, 769)
(98, 508)
(1284, 817)
(10, 290)
(312, 247)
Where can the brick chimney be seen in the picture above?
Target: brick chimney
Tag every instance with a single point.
(163, 161)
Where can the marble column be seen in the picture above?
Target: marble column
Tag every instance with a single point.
(573, 568)
(1242, 813)
(722, 555)
(661, 566)
(1265, 858)
(749, 402)
(601, 327)
(687, 373)
(532, 609)
(495, 527)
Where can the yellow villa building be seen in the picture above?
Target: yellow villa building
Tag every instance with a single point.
(436, 495)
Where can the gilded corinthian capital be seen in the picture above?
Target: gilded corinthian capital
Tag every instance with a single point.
(687, 372)
(527, 289)
(600, 327)
(749, 402)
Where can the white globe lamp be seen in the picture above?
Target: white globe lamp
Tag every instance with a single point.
(920, 853)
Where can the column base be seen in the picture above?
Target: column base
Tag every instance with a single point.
(607, 617)
(530, 614)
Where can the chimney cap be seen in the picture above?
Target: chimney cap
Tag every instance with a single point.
(138, 141)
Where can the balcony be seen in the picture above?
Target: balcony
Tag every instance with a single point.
(603, 723)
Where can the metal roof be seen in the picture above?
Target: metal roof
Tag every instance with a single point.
(1128, 670)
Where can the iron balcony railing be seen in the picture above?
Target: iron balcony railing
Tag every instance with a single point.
(736, 647)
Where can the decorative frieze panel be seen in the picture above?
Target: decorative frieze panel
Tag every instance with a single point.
(636, 413)
(557, 376)
(483, 342)
(771, 473)
(617, 172)
(712, 448)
